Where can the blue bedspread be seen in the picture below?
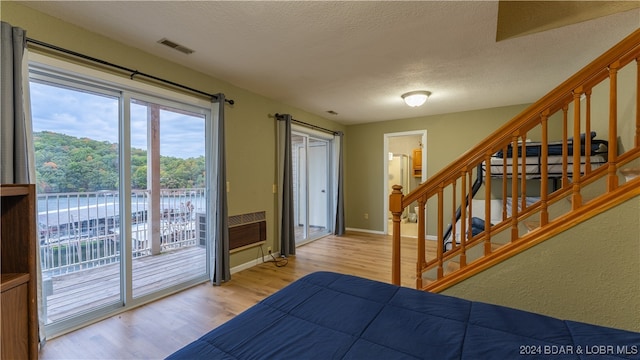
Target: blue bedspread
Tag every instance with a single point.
(332, 316)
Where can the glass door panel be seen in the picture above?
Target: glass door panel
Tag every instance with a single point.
(76, 152)
(299, 150)
(168, 196)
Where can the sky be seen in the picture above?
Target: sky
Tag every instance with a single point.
(83, 114)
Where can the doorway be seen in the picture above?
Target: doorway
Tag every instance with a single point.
(405, 164)
(311, 186)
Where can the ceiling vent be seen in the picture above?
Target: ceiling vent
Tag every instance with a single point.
(175, 46)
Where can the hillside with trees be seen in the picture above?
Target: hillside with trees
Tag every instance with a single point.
(69, 164)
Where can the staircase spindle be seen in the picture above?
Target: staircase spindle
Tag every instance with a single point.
(487, 208)
(544, 159)
(565, 146)
(422, 262)
(440, 230)
(463, 214)
(514, 187)
(587, 130)
(612, 179)
(576, 197)
(637, 137)
(523, 177)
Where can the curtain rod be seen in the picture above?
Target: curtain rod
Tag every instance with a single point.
(281, 117)
(122, 68)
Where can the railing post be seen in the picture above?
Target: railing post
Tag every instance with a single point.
(395, 206)
(463, 218)
(421, 245)
(487, 207)
(153, 180)
(587, 131)
(565, 146)
(440, 217)
(544, 181)
(514, 187)
(576, 197)
(612, 179)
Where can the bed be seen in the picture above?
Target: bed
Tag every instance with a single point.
(597, 152)
(327, 315)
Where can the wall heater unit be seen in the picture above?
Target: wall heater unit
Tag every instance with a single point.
(245, 230)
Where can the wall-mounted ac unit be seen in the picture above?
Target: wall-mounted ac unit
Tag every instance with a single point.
(245, 230)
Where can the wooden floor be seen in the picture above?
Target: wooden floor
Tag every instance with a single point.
(84, 290)
(156, 330)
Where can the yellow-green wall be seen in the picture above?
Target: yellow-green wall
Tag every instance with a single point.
(594, 278)
(448, 137)
(250, 127)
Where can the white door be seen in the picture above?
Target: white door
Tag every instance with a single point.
(318, 182)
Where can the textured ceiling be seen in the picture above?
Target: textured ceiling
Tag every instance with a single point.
(357, 58)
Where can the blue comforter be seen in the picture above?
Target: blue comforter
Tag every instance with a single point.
(332, 316)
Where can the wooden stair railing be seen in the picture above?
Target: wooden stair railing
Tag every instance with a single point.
(579, 187)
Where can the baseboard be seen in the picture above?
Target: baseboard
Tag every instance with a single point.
(366, 231)
(253, 263)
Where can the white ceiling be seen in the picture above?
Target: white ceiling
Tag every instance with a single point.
(356, 58)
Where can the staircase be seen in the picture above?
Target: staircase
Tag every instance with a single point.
(541, 195)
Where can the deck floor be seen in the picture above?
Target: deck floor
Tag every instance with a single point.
(80, 291)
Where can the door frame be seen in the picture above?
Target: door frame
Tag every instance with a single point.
(386, 191)
(330, 165)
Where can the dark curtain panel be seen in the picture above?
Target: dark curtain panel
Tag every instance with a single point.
(339, 228)
(287, 234)
(221, 268)
(17, 158)
(15, 130)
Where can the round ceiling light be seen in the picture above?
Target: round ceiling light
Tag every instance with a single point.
(416, 98)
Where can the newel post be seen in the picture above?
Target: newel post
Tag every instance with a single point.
(395, 206)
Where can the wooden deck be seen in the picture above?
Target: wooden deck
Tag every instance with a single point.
(83, 290)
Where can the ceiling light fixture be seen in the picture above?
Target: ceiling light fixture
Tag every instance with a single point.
(416, 98)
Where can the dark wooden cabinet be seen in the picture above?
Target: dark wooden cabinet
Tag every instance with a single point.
(18, 307)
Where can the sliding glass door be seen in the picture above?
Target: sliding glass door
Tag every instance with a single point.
(312, 186)
(168, 184)
(122, 196)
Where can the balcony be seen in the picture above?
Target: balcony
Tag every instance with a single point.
(81, 238)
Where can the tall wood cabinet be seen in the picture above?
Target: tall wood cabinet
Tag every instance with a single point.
(416, 165)
(18, 307)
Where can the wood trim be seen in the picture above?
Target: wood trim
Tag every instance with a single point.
(589, 210)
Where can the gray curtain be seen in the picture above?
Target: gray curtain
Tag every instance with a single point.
(339, 228)
(17, 158)
(285, 200)
(221, 271)
(15, 126)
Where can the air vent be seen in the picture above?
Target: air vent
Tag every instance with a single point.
(176, 46)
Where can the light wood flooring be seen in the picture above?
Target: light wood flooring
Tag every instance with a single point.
(156, 330)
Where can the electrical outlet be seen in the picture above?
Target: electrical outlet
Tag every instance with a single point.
(269, 249)
(366, 216)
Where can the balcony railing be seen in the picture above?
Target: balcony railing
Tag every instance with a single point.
(83, 230)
